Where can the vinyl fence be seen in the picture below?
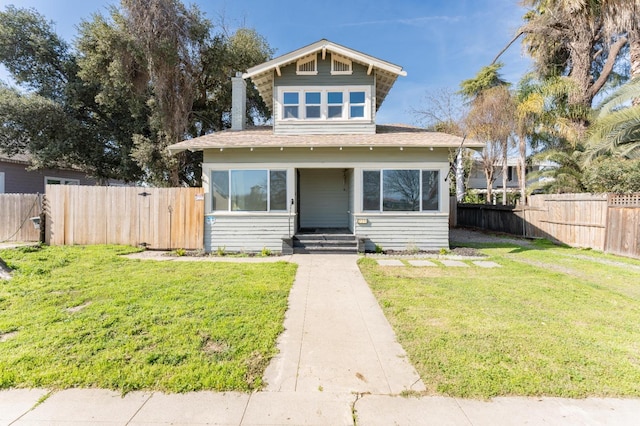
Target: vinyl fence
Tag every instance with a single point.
(606, 222)
(15, 213)
(156, 218)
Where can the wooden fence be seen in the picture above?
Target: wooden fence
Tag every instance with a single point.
(15, 213)
(157, 218)
(609, 223)
(623, 225)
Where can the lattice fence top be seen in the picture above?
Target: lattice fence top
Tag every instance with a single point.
(626, 200)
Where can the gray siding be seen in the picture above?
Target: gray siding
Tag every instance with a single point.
(403, 232)
(352, 205)
(324, 127)
(246, 232)
(359, 77)
(324, 198)
(324, 77)
(17, 179)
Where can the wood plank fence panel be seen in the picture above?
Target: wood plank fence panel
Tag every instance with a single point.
(623, 233)
(159, 218)
(15, 212)
(609, 223)
(578, 220)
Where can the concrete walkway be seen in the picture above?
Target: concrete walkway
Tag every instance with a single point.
(336, 337)
(339, 364)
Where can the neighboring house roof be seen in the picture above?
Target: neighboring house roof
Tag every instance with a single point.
(386, 136)
(386, 72)
(17, 158)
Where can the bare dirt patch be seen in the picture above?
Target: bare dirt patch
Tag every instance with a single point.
(7, 336)
(464, 235)
(78, 308)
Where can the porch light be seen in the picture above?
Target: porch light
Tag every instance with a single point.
(430, 148)
(401, 149)
(251, 148)
(221, 149)
(311, 148)
(340, 148)
(370, 148)
(281, 148)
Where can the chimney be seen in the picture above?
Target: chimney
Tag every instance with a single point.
(238, 102)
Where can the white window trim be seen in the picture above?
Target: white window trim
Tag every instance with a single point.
(63, 180)
(324, 105)
(268, 170)
(344, 61)
(381, 209)
(1, 182)
(307, 59)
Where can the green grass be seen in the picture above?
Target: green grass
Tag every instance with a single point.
(169, 326)
(548, 322)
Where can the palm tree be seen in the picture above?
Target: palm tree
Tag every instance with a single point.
(565, 37)
(616, 128)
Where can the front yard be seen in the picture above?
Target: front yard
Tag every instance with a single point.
(86, 317)
(551, 321)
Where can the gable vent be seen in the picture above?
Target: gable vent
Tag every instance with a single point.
(340, 65)
(307, 65)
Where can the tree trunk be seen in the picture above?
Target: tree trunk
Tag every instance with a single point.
(634, 50)
(505, 172)
(489, 177)
(522, 170)
(460, 189)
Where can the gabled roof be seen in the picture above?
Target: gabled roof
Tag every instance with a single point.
(386, 73)
(398, 136)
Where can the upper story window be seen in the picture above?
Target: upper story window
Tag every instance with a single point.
(356, 104)
(291, 101)
(307, 65)
(334, 107)
(313, 104)
(324, 103)
(340, 65)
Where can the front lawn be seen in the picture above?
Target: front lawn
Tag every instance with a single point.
(86, 317)
(551, 321)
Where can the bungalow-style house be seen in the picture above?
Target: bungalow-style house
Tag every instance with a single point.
(16, 177)
(324, 176)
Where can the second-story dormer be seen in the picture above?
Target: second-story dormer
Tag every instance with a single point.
(324, 88)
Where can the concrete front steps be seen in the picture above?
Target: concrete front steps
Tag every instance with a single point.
(325, 242)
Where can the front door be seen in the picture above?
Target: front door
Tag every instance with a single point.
(323, 198)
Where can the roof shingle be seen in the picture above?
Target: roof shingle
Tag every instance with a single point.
(385, 136)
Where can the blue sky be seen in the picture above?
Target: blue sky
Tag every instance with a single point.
(439, 43)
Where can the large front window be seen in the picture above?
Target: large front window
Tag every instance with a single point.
(325, 103)
(401, 190)
(249, 190)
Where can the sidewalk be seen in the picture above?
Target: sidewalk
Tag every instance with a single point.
(339, 364)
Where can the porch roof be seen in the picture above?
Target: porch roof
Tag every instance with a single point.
(395, 135)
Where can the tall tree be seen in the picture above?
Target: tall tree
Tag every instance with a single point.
(491, 119)
(170, 38)
(139, 79)
(65, 126)
(171, 70)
